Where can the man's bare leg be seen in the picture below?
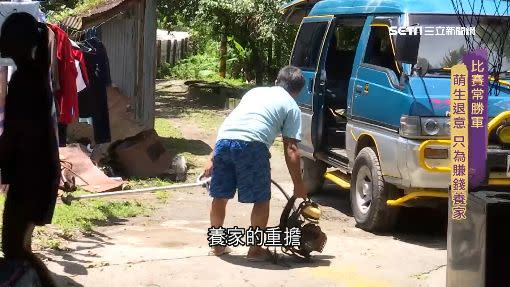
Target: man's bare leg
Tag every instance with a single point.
(217, 216)
(259, 218)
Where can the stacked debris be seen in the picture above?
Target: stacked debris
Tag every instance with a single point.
(135, 151)
(144, 155)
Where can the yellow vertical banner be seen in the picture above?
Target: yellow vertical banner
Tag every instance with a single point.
(459, 123)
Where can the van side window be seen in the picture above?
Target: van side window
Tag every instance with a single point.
(380, 50)
(308, 45)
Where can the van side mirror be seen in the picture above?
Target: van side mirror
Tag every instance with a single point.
(407, 47)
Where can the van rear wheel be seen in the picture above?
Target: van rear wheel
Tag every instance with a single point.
(313, 174)
(369, 194)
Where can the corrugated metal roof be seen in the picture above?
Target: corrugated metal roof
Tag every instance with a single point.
(101, 13)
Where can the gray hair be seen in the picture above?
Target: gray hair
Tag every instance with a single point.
(291, 79)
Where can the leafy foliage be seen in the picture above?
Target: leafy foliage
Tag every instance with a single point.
(261, 42)
(258, 40)
(199, 66)
(57, 10)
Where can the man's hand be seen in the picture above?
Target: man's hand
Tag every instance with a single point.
(293, 160)
(208, 167)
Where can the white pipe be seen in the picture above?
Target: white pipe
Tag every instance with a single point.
(69, 198)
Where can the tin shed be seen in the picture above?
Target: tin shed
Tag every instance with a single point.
(127, 28)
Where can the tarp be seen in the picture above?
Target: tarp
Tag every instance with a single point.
(87, 176)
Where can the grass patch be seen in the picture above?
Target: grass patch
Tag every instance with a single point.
(209, 120)
(163, 196)
(136, 183)
(82, 216)
(176, 144)
(165, 129)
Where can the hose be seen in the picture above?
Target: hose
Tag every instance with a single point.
(281, 189)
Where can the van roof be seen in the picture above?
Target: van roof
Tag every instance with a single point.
(336, 7)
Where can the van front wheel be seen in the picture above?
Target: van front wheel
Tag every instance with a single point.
(369, 194)
(313, 174)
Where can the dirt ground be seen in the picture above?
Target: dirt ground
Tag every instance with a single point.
(170, 247)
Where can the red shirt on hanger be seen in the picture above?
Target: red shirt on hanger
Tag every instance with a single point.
(78, 55)
(67, 96)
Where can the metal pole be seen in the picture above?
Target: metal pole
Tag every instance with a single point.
(67, 199)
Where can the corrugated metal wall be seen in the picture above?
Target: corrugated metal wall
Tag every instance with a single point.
(149, 63)
(119, 37)
(131, 45)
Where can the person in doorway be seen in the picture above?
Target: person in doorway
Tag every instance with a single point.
(240, 159)
(29, 159)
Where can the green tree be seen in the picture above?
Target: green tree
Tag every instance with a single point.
(259, 38)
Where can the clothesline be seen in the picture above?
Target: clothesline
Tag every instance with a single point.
(77, 32)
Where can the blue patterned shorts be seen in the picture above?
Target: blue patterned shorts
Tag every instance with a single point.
(243, 166)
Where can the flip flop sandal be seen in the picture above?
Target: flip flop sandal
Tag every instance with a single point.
(225, 250)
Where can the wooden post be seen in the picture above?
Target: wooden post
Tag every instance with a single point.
(183, 49)
(168, 51)
(174, 52)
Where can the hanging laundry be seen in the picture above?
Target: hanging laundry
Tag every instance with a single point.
(93, 100)
(52, 42)
(81, 67)
(80, 82)
(67, 95)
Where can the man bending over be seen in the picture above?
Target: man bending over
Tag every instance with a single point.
(240, 159)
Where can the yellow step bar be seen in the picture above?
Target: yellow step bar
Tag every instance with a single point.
(339, 179)
(414, 195)
(343, 181)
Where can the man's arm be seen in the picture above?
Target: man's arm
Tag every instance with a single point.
(292, 158)
(208, 166)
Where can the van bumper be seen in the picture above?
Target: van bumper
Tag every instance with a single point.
(414, 176)
(419, 177)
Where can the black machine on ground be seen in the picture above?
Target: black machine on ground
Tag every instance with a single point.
(306, 219)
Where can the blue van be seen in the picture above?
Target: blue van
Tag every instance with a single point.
(378, 120)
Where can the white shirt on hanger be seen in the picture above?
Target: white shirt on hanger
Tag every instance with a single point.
(80, 83)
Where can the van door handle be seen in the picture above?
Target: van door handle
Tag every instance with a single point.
(362, 90)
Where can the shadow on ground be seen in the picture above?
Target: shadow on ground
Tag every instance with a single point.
(332, 196)
(420, 226)
(63, 281)
(174, 104)
(283, 263)
(72, 265)
(423, 226)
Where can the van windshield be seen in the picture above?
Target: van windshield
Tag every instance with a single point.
(442, 48)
